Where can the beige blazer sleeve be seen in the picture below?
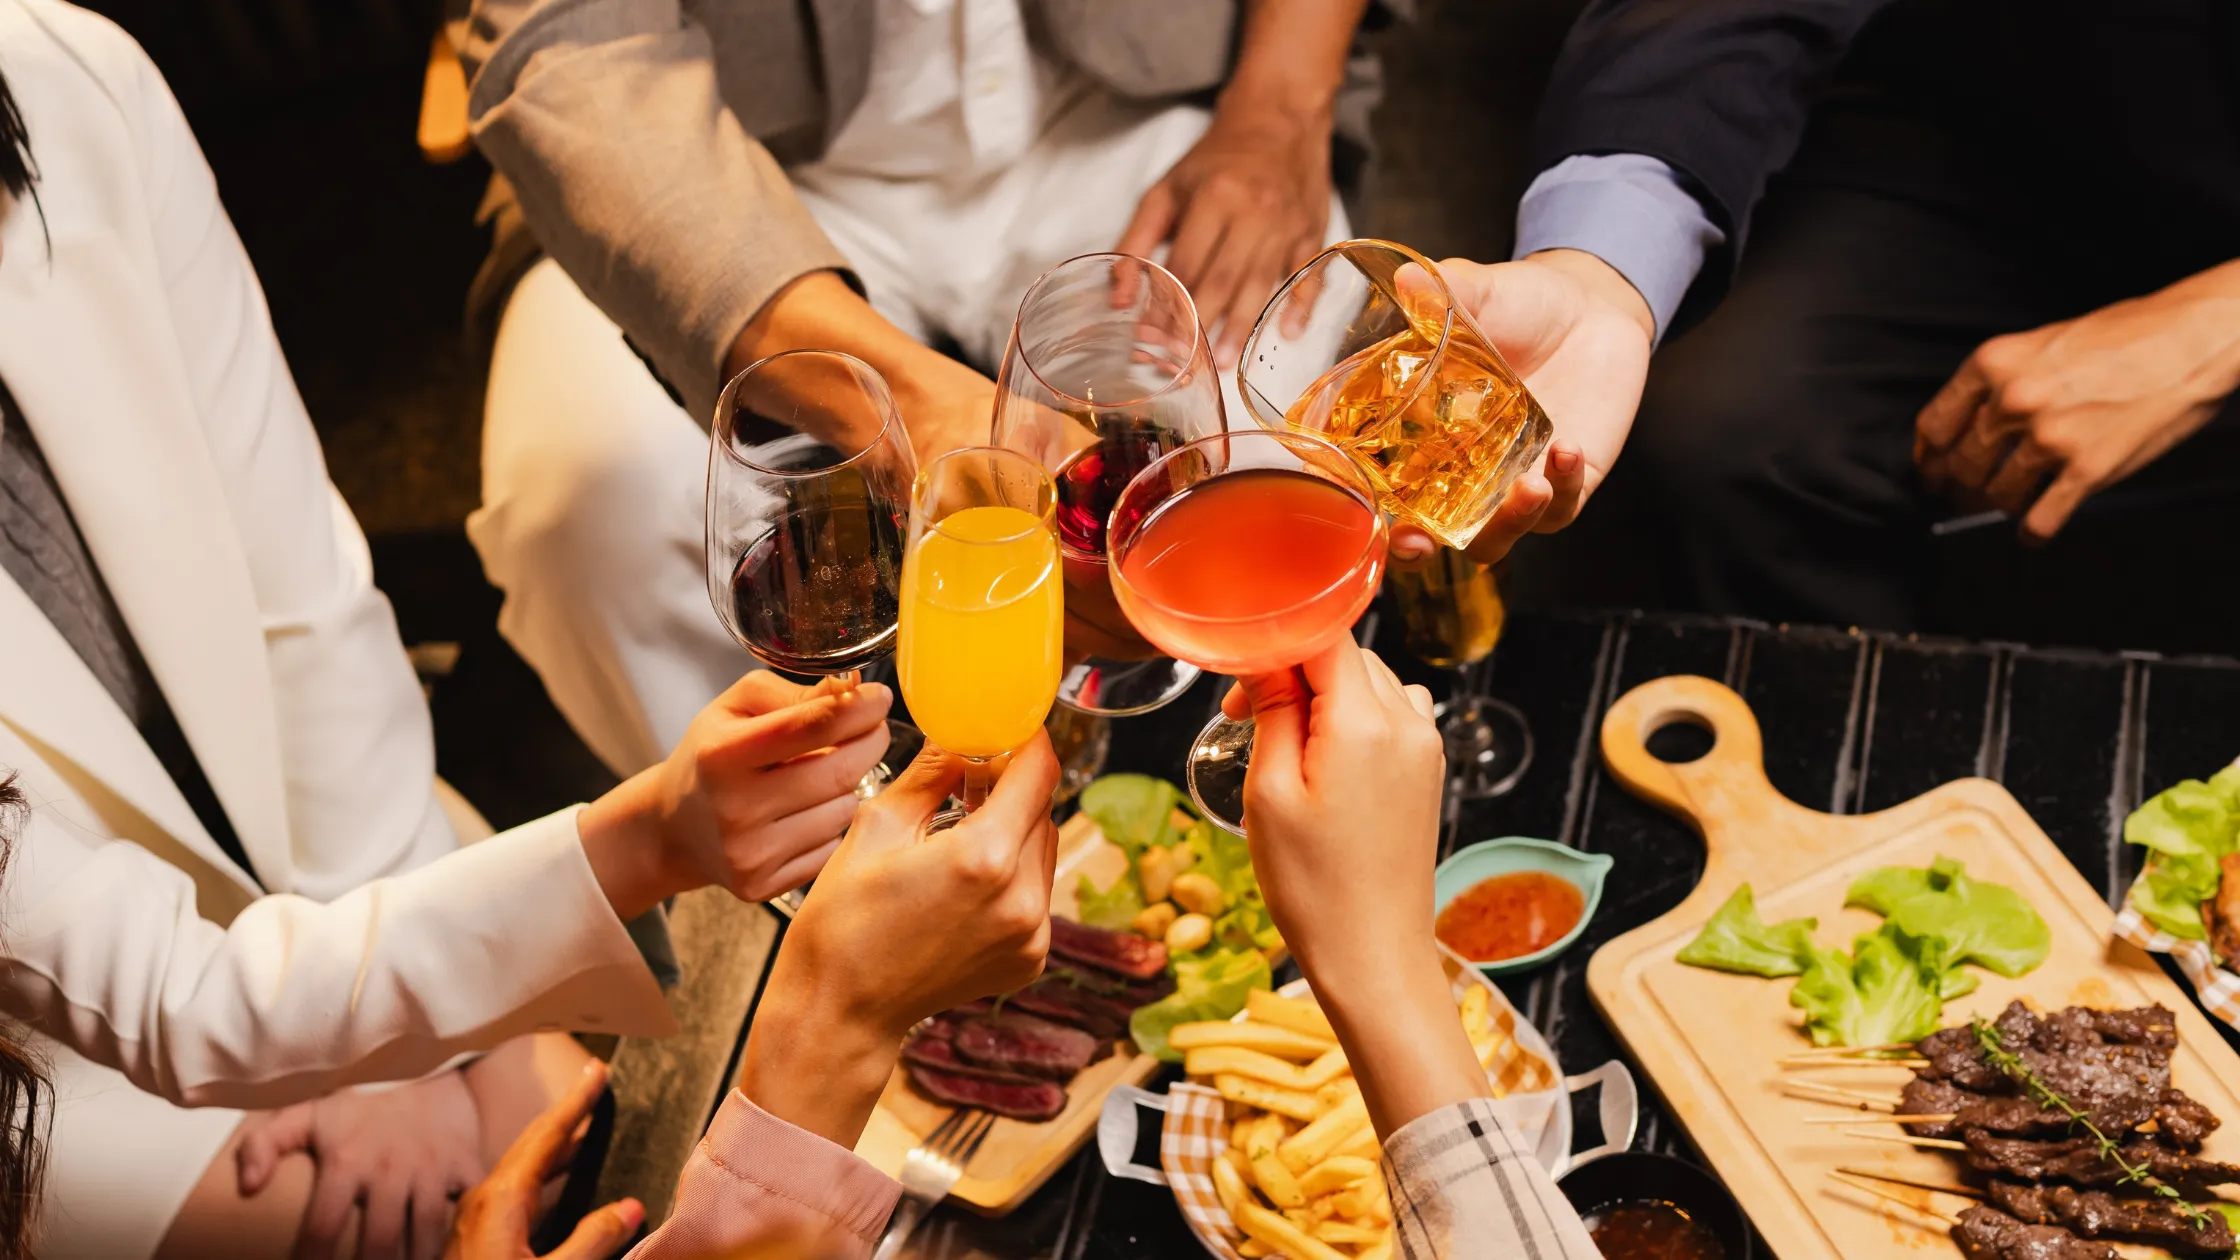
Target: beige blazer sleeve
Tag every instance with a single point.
(105, 953)
(607, 118)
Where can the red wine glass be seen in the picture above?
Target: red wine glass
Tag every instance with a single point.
(1106, 371)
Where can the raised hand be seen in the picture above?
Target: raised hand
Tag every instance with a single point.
(1580, 335)
(753, 799)
(900, 925)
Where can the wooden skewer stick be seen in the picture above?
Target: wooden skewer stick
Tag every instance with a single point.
(1965, 1192)
(1800, 1065)
(1816, 1092)
(1899, 1118)
(1819, 1052)
(1908, 1139)
(1943, 1219)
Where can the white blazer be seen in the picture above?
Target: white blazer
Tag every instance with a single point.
(136, 341)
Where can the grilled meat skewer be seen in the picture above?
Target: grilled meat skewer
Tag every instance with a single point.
(2098, 1214)
(1986, 1233)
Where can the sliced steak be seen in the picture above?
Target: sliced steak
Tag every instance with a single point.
(2182, 1122)
(1027, 1044)
(1096, 1014)
(942, 1056)
(2079, 1160)
(1018, 1098)
(1986, 1233)
(1125, 953)
(2099, 1214)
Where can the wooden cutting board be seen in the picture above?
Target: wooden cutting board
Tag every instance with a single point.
(1016, 1157)
(1711, 1041)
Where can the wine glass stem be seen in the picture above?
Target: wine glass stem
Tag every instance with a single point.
(1462, 702)
(980, 775)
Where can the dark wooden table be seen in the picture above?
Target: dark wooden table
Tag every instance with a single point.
(1853, 723)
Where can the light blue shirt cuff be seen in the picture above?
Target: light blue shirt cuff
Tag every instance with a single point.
(1631, 212)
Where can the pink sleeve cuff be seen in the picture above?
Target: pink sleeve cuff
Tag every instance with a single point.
(756, 1179)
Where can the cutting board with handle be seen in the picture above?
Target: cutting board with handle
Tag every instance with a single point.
(1712, 1041)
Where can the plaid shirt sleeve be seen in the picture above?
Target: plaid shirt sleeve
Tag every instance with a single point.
(1464, 1188)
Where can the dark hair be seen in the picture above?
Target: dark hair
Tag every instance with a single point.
(16, 167)
(26, 1102)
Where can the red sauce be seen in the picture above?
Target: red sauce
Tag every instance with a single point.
(1510, 915)
(1650, 1229)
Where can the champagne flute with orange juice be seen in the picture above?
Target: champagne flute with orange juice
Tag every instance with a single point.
(983, 614)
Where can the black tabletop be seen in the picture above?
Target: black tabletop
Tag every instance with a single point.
(1852, 722)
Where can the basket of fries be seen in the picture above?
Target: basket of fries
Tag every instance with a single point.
(1267, 1145)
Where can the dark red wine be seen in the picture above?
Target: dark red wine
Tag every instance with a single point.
(821, 591)
(1091, 482)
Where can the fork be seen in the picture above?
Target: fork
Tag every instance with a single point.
(931, 1167)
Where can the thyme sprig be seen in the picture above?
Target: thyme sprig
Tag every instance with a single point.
(1995, 1052)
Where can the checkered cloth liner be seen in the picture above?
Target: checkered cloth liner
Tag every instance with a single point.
(1197, 1126)
(2218, 988)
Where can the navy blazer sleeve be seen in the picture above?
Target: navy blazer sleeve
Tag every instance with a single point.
(1719, 90)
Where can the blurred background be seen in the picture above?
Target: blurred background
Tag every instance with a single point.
(308, 111)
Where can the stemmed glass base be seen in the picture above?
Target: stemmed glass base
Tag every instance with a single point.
(1108, 688)
(1218, 761)
(1489, 745)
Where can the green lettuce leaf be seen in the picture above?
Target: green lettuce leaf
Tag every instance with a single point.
(1135, 811)
(1736, 939)
(2185, 830)
(1978, 922)
(1887, 990)
(1112, 909)
(1211, 986)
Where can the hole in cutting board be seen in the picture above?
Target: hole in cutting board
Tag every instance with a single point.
(1681, 740)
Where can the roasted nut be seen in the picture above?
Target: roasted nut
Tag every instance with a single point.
(1155, 920)
(1188, 933)
(1198, 893)
(1156, 869)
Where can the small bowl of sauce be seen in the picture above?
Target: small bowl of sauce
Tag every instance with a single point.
(1513, 903)
(1639, 1206)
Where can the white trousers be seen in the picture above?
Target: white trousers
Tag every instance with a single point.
(593, 480)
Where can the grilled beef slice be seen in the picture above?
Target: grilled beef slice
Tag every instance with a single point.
(1028, 1045)
(2098, 1214)
(1102, 1017)
(1019, 1098)
(1124, 953)
(2182, 1122)
(1986, 1233)
(942, 1056)
(2079, 1160)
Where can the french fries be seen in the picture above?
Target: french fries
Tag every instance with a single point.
(1284, 1043)
(1301, 1178)
(1300, 1015)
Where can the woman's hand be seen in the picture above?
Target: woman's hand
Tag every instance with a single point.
(400, 1154)
(495, 1217)
(1341, 807)
(899, 926)
(754, 799)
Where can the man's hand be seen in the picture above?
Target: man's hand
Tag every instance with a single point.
(944, 404)
(495, 1217)
(754, 799)
(1245, 207)
(1580, 335)
(1250, 203)
(401, 1154)
(2035, 422)
(901, 925)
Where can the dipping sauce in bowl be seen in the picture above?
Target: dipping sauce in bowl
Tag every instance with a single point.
(1508, 916)
(1651, 1229)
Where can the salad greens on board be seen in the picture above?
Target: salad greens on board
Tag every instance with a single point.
(1893, 984)
(1152, 823)
(2185, 831)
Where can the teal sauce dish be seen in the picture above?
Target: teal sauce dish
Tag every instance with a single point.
(1510, 854)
